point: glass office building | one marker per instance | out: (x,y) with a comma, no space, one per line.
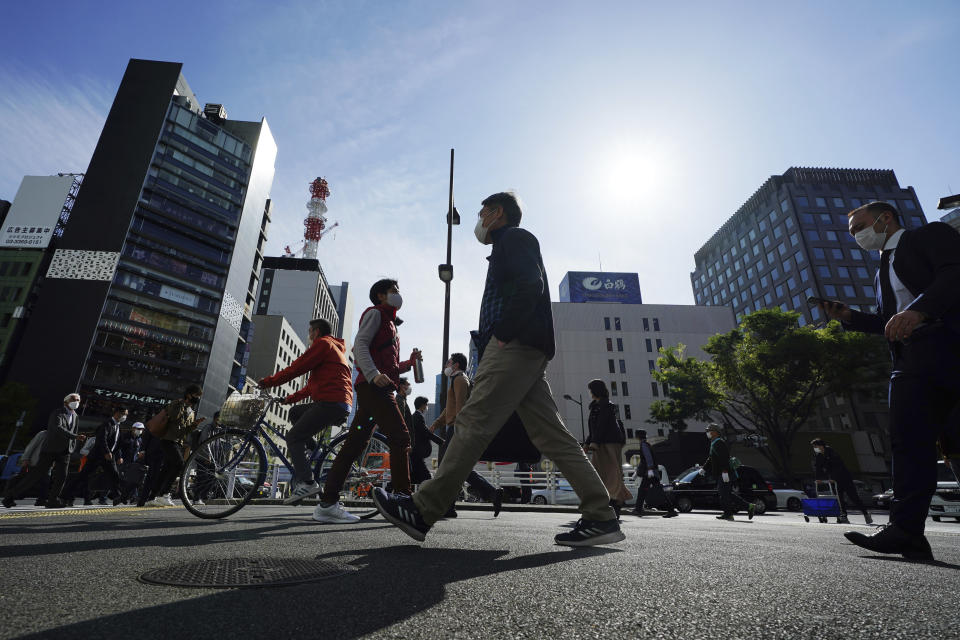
(160,262)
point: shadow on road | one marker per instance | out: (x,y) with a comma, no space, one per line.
(200,533)
(934,563)
(394,584)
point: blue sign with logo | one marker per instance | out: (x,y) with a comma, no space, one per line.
(600,286)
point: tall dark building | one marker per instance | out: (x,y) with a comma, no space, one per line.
(152,285)
(790,241)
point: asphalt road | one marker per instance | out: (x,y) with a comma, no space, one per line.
(74,574)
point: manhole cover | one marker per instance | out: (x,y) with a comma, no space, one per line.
(245,572)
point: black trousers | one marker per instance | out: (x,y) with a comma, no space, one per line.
(317,417)
(172,465)
(850,490)
(418,469)
(82,481)
(924,395)
(651,483)
(729,499)
(58,461)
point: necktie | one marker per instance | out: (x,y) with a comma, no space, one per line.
(887,298)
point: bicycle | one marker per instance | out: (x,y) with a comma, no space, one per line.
(228,469)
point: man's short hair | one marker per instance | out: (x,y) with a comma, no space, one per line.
(511,208)
(460,360)
(713,426)
(67,397)
(598,388)
(192,389)
(876,209)
(381,286)
(403,380)
(420,402)
(119,407)
(322,326)
(819,441)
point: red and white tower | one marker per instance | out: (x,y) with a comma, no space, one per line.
(315,224)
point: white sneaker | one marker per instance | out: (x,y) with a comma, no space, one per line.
(156,502)
(334,514)
(199,502)
(302,490)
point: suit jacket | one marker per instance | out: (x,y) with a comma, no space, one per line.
(927,261)
(62,429)
(108,436)
(420,443)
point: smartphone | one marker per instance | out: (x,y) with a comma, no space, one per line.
(814,300)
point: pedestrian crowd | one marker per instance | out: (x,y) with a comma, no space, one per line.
(918,311)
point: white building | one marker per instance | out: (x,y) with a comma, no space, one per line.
(275,345)
(618,343)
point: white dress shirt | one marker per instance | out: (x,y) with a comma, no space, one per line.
(900,292)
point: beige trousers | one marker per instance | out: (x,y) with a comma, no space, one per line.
(512,378)
(606,459)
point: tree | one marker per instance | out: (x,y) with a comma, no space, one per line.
(15,398)
(765,377)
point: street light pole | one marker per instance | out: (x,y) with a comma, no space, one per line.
(583,431)
(446,276)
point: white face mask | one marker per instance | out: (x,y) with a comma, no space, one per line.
(481,232)
(448,371)
(870,240)
(73,404)
(817,450)
(395,300)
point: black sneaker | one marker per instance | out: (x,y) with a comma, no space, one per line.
(588,533)
(9,503)
(725,516)
(497,502)
(451,512)
(400,511)
(751,511)
(670,514)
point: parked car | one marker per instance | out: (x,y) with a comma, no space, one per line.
(882,500)
(693,491)
(946,501)
(565,494)
(789,499)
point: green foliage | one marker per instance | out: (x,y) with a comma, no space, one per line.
(14,399)
(765,377)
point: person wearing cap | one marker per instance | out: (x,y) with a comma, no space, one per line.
(132,463)
(827,464)
(718,464)
(649,473)
(62,438)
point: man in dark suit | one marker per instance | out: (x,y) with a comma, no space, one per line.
(718,465)
(104,455)
(918,310)
(420,442)
(62,438)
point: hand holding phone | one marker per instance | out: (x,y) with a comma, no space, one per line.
(835,310)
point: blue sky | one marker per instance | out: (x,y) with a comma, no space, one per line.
(631,131)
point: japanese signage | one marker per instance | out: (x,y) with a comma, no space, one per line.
(600,286)
(36,208)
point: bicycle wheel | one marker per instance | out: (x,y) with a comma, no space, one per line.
(368,468)
(223,474)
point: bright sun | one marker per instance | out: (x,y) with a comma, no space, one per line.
(628,175)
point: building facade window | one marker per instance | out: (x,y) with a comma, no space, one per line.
(609,344)
(606,324)
(654,390)
(623,366)
(619,344)
(613,368)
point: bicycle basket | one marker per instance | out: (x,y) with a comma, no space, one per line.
(242,410)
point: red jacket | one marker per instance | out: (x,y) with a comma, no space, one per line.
(329,381)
